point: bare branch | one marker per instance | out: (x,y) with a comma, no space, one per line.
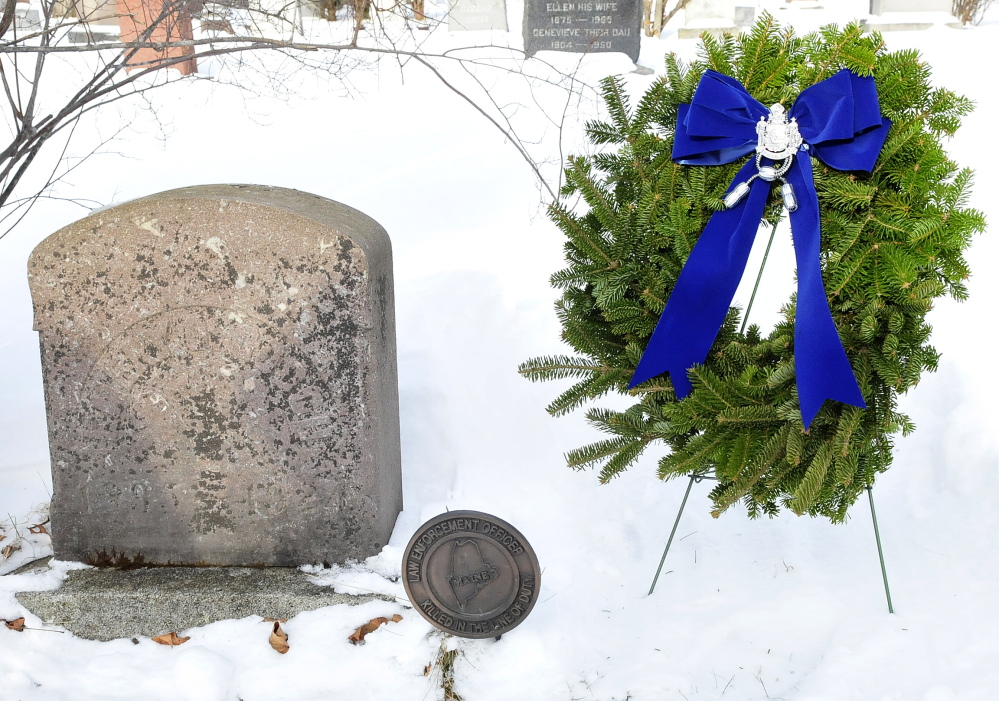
(129,66)
(7,18)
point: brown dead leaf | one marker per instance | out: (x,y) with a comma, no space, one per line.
(272,620)
(40,528)
(279,639)
(426,671)
(9,550)
(357,637)
(17,624)
(170,639)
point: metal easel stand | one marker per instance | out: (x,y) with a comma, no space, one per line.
(696,477)
(881,555)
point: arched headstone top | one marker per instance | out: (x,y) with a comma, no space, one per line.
(220,374)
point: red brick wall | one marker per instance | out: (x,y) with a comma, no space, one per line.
(172,20)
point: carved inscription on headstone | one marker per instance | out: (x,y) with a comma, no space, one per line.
(583,27)
(476,15)
(220,380)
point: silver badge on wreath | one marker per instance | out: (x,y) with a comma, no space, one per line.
(777,139)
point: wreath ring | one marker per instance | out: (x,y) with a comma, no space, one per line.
(892,241)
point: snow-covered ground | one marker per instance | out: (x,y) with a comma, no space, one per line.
(790,608)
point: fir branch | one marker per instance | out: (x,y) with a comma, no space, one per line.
(560,367)
(804,496)
(620,461)
(694,457)
(771,454)
(584,457)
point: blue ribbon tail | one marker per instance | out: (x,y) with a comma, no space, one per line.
(696,308)
(822,368)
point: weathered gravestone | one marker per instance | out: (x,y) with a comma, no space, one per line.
(583,27)
(716,17)
(27,18)
(476,15)
(745,15)
(709,9)
(910,15)
(220,380)
(881,6)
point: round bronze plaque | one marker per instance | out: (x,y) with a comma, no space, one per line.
(471,574)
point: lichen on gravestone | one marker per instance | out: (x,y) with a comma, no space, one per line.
(220,380)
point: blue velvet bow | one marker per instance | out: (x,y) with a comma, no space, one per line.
(841,124)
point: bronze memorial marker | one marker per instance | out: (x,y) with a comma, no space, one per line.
(471,574)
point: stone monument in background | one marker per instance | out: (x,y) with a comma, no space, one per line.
(879,7)
(476,15)
(910,15)
(220,380)
(716,17)
(583,27)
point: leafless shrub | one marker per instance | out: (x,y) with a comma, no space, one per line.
(40,108)
(971,11)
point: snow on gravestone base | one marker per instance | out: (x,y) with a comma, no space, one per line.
(881,6)
(220,380)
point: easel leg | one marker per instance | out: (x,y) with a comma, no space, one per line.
(881,555)
(672,533)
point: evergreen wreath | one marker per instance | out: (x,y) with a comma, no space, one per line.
(892,242)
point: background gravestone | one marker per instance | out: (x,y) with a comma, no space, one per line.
(716,17)
(220,380)
(709,9)
(910,15)
(583,27)
(476,15)
(881,6)
(744,15)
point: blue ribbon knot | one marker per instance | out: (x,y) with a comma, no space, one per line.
(841,124)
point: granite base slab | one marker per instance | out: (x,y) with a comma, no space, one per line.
(905,26)
(106,604)
(716,32)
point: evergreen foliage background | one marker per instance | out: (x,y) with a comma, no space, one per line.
(892,242)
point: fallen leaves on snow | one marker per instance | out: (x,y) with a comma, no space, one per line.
(17,624)
(357,637)
(279,639)
(170,639)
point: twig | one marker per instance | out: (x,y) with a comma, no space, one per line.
(759,678)
(727,685)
